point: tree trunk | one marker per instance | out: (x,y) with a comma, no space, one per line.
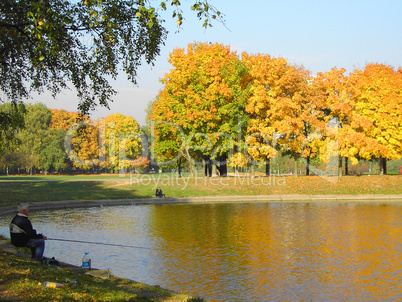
(179,166)
(215,170)
(346,166)
(296,167)
(190,163)
(252,170)
(207,167)
(308,166)
(223,169)
(340,166)
(383,166)
(268,167)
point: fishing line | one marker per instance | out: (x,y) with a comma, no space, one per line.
(102,243)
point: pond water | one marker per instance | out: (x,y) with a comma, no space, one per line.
(241,251)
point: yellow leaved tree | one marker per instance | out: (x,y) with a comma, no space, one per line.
(348,125)
(283,110)
(376,93)
(123,143)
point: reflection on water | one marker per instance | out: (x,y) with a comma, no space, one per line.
(240,252)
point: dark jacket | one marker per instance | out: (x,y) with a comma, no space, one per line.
(21,231)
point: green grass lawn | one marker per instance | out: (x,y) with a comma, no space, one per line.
(15,190)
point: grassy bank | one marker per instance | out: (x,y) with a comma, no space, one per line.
(60,188)
(21,280)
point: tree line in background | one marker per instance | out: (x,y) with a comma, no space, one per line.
(218,110)
(221,109)
(57,141)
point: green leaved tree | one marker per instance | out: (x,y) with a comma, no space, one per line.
(32,137)
(52,44)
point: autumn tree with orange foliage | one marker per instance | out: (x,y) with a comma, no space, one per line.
(111,143)
(123,143)
(84,141)
(334,88)
(284,111)
(204,97)
(62,119)
(376,93)
(261,138)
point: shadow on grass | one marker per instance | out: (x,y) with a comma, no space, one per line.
(14,193)
(22,178)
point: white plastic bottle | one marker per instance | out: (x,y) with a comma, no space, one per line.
(86,261)
(52,285)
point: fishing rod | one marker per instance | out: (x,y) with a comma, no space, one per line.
(101,243)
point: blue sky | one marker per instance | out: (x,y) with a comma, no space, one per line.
(319,35)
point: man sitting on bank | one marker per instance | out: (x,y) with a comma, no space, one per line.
(159,193)
(23,235)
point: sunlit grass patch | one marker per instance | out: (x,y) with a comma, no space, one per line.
(22,280)
(144,186)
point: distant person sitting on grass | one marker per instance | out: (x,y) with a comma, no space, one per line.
(159,193)
(23,235)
